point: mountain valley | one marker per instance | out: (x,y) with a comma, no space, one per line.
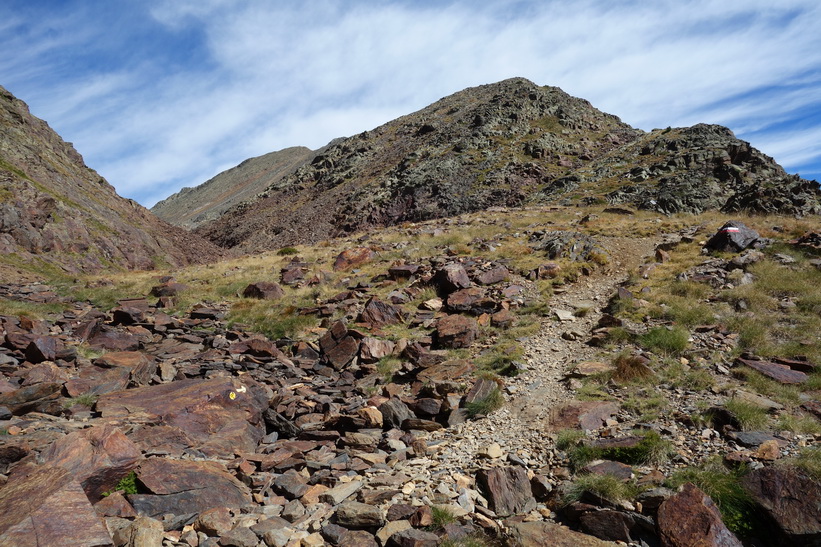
(506,319)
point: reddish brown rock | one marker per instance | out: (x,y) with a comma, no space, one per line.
(42,348)
(222,415)
(214,522)
(352,258)
(47,506)
(446,371)
(503,319)
(141,367)
(413,537)
(606,467)
(402,271)
(338,346)
(451,278)
(608,524)
(507,490)
(294,272)
(584,414)
(464,300)
(113,340)
(46,372)
(378,314)
(456,331)
(98,457)
(791,499)
(548,534)
(493,276)
(690,518)
(183,487)
(115,505)
(482,388)
(258,347)
(421,425)
(779,373)
(96,380)
(357,538)
(372,349)
(263,290)
(36,398)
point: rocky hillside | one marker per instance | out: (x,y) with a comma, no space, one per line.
(507,144)
(57,212)
(191,207)
(535,376)
(486,146)
(695,169)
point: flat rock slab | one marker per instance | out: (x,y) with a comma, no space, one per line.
(352,258)
(779,373)
(752,439)
(48,507)
(98,457)
(584,414)
(548,534)
(352,514)
(619,470)
(140,365)
(222,415)
(36,398)
(184,487)
(691,518)
(443,372)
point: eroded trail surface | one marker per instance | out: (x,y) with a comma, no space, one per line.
(521,427)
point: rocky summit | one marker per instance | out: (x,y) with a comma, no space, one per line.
(625,359)
(508,144)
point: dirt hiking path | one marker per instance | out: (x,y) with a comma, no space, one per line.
(521,427)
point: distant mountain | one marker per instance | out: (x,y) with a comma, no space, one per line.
(57,213)
(191,207)
(507,144)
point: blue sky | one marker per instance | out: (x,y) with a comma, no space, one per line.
(158,95)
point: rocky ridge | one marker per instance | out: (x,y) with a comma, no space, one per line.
(487,146)
(191,207)
(55,212)
(509,144)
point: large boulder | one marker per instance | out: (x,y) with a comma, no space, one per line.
(98,457)
(791,498)
(221,416)
(47,506)
(186,487)
(690,518)
(733,237)
(456,331)
(507,489)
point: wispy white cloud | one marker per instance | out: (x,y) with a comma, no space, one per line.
(249,77)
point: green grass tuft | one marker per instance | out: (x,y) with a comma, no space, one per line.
(724,487)
(666,341)
(493,401)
